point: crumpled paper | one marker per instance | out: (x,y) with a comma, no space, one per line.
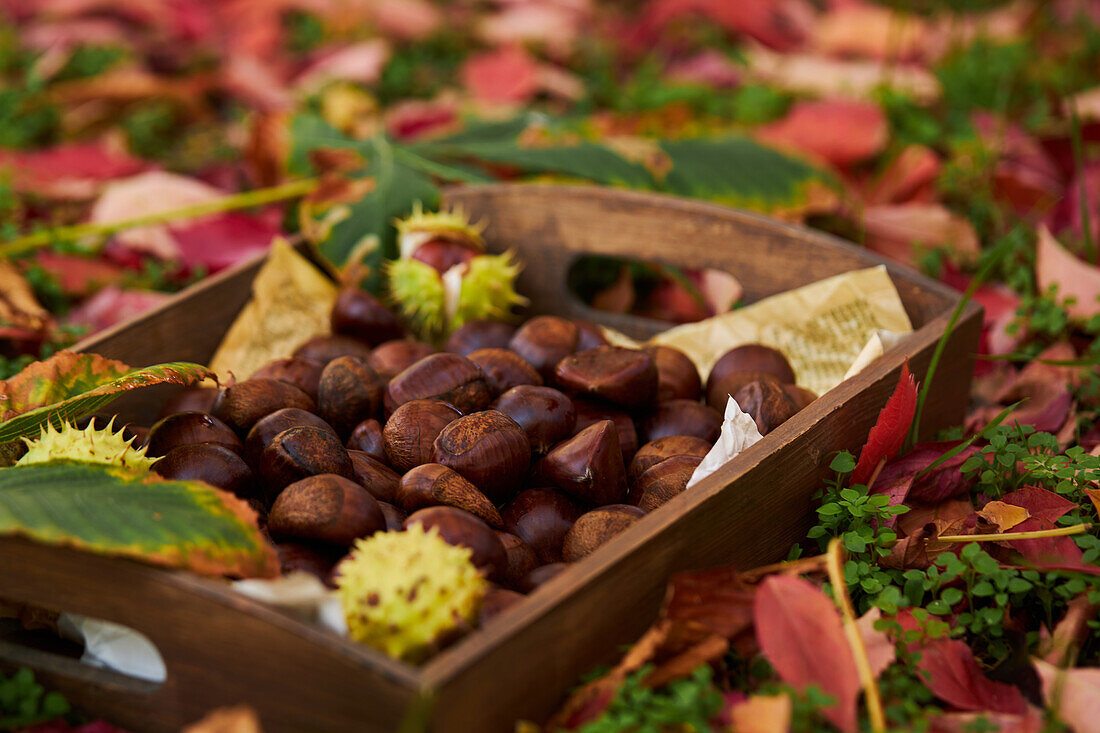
(301,595)
(113,646)
(739,431)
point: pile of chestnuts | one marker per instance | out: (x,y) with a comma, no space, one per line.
(532,446)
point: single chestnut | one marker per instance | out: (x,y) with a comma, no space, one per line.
(625,377)
(800,395)
(192,399)
(658,450)
(489,449)
(681,417)
(458,527)
(541,576)
(544,413)
(444,376)
(521,558)
(497,600)
(432,484)
(209,463)
(480,334)
(589,335)
(362,316)
(767,404)
(752,358)
(242,405)
(596,527)
(367,437)
(677,375)
(300,452)
(543,341)
(395,516)
(189,428)
(349,393)
(325,508)
(327,347)
(590,412)
(305,374)
(376,477)
(393,357)
(408,435)
(541,518)
(662,481)
(308,557)
(268,427)
(719,391)
(589,466)
(504,369)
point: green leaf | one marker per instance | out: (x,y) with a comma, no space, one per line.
(113,511)
(739,172)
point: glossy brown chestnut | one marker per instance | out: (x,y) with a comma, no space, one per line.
(376,477)
(190,428)
(658,450)
(801,396)
(480,334)
(719,391)
(590,412)
(677,375)
(349,393)
(752,358)
(589,466)
(300,452)
(589,335)
(543,341)
(326,348)
(393,357)
(308,557)
(432,484)
(497,600)
(304,374)
(243,404)
(521,558)
(362,316)
(544,413)
(489,449)
(325,508)
(268,427)
(625,377)
(395,516)
(596,527)
(541,517)
(541,576)
(767,404)
(661,482)
(367,437)
(681,417)
(444,376)
(408,435)
(193,399)
(442,253)
(504,369)
(212,464)
(458,527)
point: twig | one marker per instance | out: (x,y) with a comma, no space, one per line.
(801,565)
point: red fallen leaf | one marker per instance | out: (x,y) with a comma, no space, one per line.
(222,241)
(406,19)
(881,651)
(506,75)
(414,119)
(1025,175)
(720,289)
(553,25)
(943,513)
(1067,212)
(871,31)
(889,431)
(709,67)
(1040,503)
(257,83)
(1000,305)
(618,297)
(670,301)
(360,62)
(908,177)
(903,232)
(954,675)
(78,275)
(780,24)
(112,305)
(900,482)
(1069,633)
(799,631)
(1059,550)
(71,171)
(1054,265)
(1074,693)
(1029,722)
(839,131)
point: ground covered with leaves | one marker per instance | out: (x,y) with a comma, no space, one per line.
(947,586)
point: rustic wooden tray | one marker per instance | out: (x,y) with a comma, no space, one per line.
(222,649)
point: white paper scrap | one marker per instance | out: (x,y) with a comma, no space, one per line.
(114,646)
(299,594)
(739,431)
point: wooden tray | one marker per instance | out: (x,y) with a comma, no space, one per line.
(222,649)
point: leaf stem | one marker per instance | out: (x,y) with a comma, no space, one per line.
(248,199)
(1012,536)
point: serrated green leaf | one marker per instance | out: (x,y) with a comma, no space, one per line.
(114,511)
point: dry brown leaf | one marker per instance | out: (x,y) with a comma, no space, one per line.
(1005,516)
(826,77)
(1094,494)
(762,714)
(19,308)
(881,651)
(1070,632)
(238,719)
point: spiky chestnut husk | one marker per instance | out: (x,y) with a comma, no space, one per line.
(417,290)
(486,290)
(409,593)
(88,445)
(420,227)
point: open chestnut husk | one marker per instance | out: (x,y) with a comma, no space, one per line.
(543,341)
(489,449)
(504,369)
(541,518)
(480,334)
(243,404)
(677,375)
(362,316)
(367,437)
(658,450)
(210,463)
(300,452)
(325,508)
(625,377)
(544,413)
(681,417)
(458,527)
(767,404)
(444,376)
(663,481)
(432,484)
(408,435)
(305,374)
(331,346)
(190,428)
(268,427)
(393,357)
(349,393)
(596,527)
(589,466)
(590,412)
(374,476)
